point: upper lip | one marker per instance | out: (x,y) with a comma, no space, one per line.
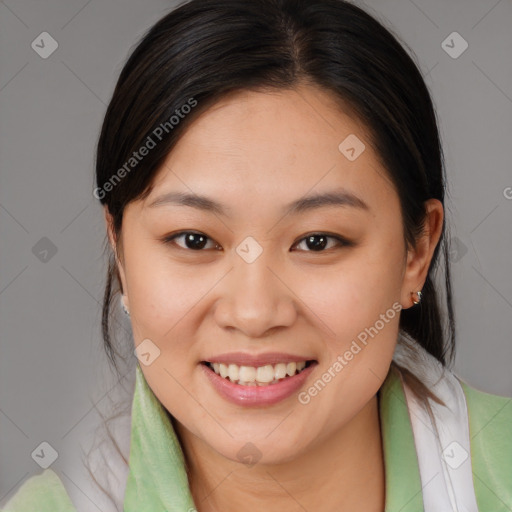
(244,359)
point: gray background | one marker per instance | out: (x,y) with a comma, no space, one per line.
(53,373)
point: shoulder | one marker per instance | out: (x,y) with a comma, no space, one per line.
(490,418)
(489,414)
(490,430)
(102,485)
(41,493)
(479,423)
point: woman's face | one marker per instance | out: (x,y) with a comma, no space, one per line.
(260,284)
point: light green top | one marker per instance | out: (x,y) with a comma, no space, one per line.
(157,479)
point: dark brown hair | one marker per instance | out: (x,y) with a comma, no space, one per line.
(205,49)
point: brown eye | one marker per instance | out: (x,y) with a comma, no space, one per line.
(317,242)
(190,240)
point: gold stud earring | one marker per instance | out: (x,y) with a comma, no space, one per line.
(418,297)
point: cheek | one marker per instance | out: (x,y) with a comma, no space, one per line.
(352,295)
(162,302)
(161,294)
(359,305)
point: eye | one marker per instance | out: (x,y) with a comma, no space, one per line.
(317,242)
(191,240)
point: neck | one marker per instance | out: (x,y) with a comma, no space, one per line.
(343,473)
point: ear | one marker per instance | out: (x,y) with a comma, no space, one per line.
(109,223)
(419,258)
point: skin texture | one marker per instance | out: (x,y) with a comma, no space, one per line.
(255,152)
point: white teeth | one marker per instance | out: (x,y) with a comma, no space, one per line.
(233,372)
(223,370)
(280,371)
(247,373)
(265,373)
(291,368)
(260,376)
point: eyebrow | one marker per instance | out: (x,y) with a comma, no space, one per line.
(341,198)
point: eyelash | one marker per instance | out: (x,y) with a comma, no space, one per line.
(342,242)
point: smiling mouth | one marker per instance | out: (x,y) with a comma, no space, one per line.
(266,375)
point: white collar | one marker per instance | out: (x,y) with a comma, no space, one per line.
(442,440)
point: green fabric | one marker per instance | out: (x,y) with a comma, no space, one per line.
(490,432)
(157,479)
(41,493)
(403,483)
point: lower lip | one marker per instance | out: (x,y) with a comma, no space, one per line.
(257,395)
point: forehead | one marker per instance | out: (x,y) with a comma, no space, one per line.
(271,147)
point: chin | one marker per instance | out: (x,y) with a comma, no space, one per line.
(259,448)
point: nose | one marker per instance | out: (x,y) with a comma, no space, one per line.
(255,298)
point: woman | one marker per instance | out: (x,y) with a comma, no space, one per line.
(273,187)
